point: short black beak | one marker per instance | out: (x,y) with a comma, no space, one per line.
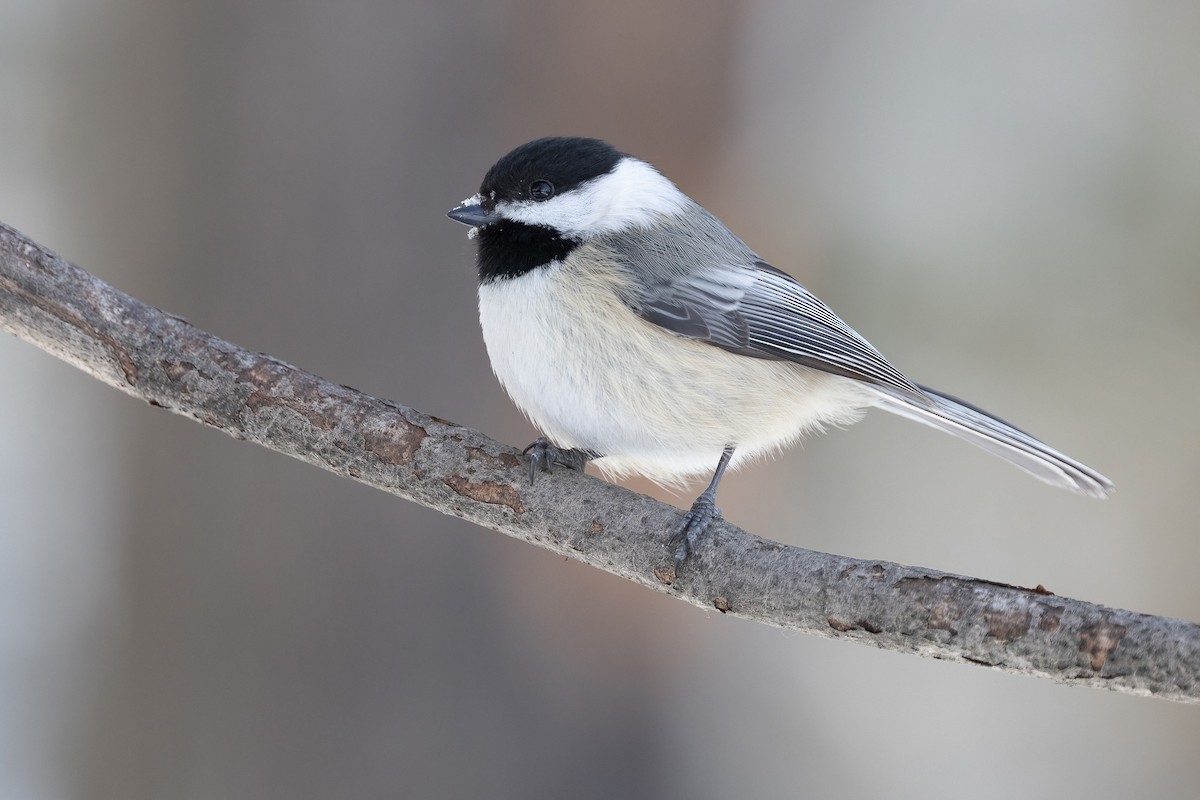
(474,215)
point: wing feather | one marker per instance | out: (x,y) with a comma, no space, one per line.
(756,310)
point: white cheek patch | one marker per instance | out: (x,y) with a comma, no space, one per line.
(633,195)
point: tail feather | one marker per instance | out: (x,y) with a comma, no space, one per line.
(996,436)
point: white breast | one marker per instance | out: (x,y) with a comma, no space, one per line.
(592,375)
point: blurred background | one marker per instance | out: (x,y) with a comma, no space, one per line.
(1002,196)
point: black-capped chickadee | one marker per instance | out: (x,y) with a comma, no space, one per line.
(634,329)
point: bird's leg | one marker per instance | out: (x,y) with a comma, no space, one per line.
(542,454)
(704,511)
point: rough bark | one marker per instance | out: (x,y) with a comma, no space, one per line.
(171,364)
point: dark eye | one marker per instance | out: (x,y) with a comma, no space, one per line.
(541,190)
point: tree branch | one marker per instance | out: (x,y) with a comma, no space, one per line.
(171,364)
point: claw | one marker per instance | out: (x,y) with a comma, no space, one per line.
(538,459)
(693,525)
(542,454)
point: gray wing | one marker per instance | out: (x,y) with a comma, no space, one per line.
(727,296)
(756,310)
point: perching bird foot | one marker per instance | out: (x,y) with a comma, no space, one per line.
(542,454)
(693,525)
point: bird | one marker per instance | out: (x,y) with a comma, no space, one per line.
(637,332)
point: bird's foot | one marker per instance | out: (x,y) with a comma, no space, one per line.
(693,525)
(542,454)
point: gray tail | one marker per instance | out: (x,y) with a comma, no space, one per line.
(996,436)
